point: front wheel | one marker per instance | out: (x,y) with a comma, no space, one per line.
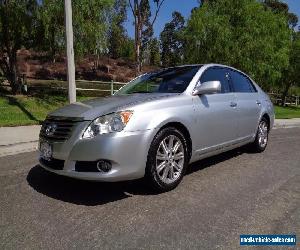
(167,159)
(262,136)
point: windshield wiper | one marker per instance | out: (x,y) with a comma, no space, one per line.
(142,91)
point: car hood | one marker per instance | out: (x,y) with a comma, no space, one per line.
(91,109)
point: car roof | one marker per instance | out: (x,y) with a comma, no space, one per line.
(207,65)
(203,65)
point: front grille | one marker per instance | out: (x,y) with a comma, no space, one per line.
(54,164)
(57,129)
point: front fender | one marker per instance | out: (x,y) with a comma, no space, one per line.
(158,113)
(155,115)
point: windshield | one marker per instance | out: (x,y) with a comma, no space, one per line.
(170,80)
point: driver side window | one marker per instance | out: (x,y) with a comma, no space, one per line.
(217,74)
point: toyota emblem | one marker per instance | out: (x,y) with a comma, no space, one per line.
(50,129)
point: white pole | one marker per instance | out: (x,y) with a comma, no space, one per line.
(70,51)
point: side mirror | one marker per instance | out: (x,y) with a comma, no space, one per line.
(210,87)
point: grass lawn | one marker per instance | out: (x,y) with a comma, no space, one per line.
(287,112)
(23,110)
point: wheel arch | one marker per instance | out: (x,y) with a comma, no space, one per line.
(267,117)
(183,129)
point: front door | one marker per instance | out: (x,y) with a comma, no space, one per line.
(216,113)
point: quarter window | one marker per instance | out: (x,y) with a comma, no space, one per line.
(241,83)
(217,74)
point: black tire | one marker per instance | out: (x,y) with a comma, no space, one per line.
(257,146)
(152,176)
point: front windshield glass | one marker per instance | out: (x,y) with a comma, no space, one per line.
(170,80)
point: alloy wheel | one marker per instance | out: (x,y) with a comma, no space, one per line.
(170,159)
(263,134)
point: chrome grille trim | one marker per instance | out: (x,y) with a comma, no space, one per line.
(64,128)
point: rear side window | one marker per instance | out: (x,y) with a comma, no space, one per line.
(241,83)
(217,74)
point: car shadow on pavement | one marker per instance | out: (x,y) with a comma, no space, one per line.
(82,192)
(98,193)
(213,160)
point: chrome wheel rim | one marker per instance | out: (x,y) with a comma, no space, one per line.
(262,134)
(170,159)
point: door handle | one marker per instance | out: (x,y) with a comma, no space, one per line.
(258,103)
(233,104)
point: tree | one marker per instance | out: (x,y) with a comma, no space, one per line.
(280,7)
(117,34)
(154,55)
(89,21)
(17,20)
(127,48)
(143,26)
(52,27)
(147,33)
(243,34)
(277,6)
(172,41)
(291,76)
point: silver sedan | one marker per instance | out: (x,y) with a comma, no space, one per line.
(156,125)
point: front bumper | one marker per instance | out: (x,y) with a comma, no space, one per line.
(126,151)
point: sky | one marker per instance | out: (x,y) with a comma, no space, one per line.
(185,7)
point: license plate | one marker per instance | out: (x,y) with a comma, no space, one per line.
(45,150)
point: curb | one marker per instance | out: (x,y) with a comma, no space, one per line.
(22,147)
(286,126)
(287,123)
(21,139)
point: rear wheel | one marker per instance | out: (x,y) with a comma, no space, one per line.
(167,159)
(262,136)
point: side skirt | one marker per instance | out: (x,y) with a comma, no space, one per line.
(215,150)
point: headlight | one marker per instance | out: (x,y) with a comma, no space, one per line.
(114,122)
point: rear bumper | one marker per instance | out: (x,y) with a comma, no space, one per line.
(126,151)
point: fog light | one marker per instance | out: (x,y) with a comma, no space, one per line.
(103,166)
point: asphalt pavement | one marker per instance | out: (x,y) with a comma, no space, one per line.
(220,198)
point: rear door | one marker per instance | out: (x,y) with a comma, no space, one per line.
(248,104)
(216,113)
